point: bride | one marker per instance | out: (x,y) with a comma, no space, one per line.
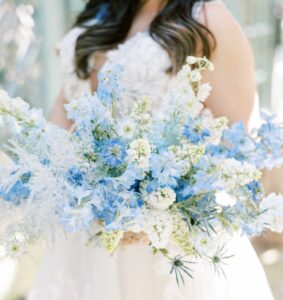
(151,39)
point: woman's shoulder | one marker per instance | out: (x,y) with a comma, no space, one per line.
(202,5)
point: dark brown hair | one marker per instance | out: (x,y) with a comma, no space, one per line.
(174,28)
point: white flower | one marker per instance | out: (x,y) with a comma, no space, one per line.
(161,199)
(20,105)
(159,227)
(204,92)
(126,128)
(195,76)
(207,245)
(235,173)
(139,152)
(204,244)
(16,247)
(4,99)
(191,60)
(274,214)
(224,199)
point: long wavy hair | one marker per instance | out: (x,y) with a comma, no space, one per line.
(174,28)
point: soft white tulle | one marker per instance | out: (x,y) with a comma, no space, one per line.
(73,271)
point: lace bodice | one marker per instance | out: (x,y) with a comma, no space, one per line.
(145,64)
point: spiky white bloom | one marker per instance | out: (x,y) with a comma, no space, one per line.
(161,199)
(15,248)
(207,244)
(139,152)
(158,225)
(126,128)
(274,214)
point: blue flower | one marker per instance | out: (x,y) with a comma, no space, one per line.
(19,191)
(109,90)
(113,153)
(195,132)
(236,134)
(116,208)
(255,188)
(165,169)
(217,150)
(106,204)
(75,176)
(184,190)
(76,213)
(45,162)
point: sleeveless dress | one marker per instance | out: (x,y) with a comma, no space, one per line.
(72,270)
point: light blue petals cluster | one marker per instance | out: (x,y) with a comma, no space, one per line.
(178,178)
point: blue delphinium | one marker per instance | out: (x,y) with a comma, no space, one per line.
(106,204)
(113,153)
(76,213)
(195,132)
(269,148)
(165,169)
(75,176)
(109,89)
(240,144)
(217,151)
(19,191)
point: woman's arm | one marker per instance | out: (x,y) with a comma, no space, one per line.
(58,115)
(233,83)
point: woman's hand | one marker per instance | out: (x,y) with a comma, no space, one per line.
(132,238)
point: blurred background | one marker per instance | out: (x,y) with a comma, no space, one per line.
(29,32)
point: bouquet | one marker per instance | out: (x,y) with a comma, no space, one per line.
(184,179)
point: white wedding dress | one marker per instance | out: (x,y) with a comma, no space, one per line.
(70,270)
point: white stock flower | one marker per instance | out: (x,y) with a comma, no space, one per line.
(159,227)
(235,173)
(161,199)
(139,152)
(195,76)
(203,92)
(274,214)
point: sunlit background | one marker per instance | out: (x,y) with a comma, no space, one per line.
(29,32)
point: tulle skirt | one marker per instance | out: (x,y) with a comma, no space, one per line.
(73,271)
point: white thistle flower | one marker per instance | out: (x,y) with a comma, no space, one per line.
(16,247)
